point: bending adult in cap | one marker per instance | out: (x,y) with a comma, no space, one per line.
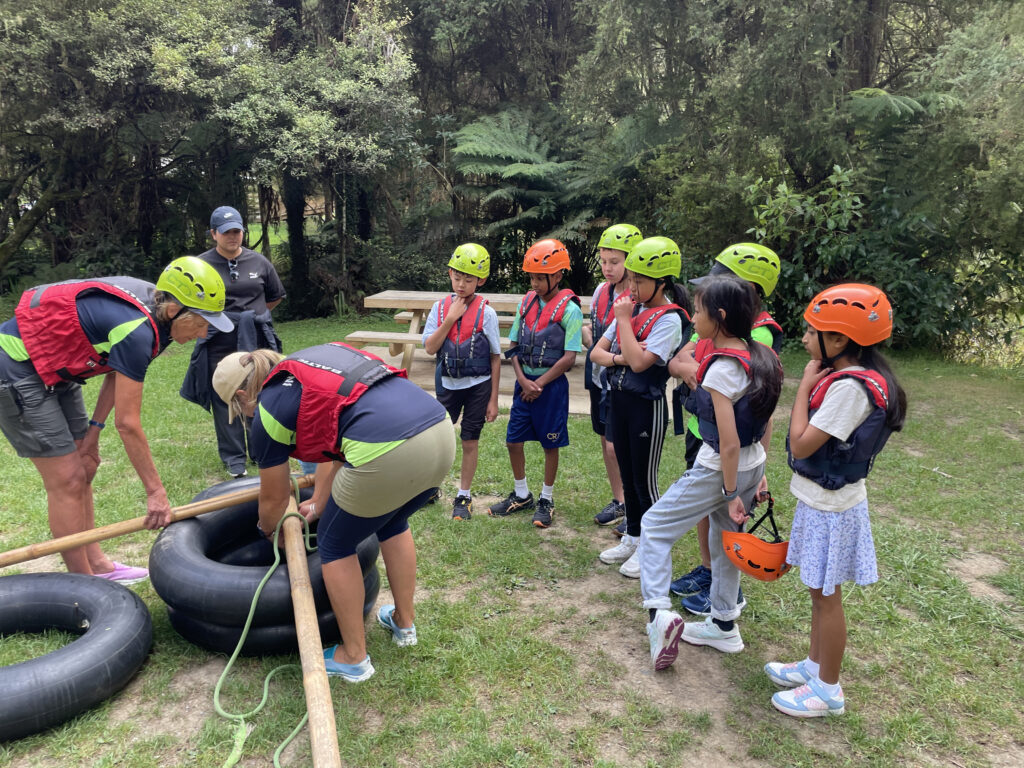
(64,333)
(384,446)
(253,290)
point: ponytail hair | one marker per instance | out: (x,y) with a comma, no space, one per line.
(678,295)
(741,304)
(871,357)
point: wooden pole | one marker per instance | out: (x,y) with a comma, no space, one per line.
(43,548)
(323,733)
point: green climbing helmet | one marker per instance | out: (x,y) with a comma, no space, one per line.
(620,237)
(197,286)
(472,259)
(655,257)
(754,263)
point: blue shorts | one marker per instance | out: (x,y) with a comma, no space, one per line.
(545,420)
(339,532)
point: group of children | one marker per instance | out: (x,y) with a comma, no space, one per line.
(644,328)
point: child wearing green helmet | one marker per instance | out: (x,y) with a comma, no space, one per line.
(635,350)
(760,266)
(614,246)
(462,331)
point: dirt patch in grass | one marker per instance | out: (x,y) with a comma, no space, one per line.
(973,569)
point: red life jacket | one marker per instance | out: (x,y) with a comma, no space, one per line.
(541,341)
(764,320)
(601,311)
(836,463)
(465,350)
(649,384)
(333,376)
(53,336)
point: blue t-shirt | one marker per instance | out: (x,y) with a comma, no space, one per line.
(108,323)
(388,413)
(571,322)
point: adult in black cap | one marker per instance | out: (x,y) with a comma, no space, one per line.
(253,290)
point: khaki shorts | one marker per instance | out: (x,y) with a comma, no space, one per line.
(40,421)
(385,483)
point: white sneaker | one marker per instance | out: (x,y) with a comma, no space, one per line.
(707,633)
(663,634)
(631,568)
(622,552)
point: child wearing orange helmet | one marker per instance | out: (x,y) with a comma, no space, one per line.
(847,404)
(545,336)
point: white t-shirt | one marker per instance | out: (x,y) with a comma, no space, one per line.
(663,340)
(845,407)
(728,377)
(490,332)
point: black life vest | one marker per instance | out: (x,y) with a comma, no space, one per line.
(600,319)
(649,384)
(541,341)
(465,350)
(838,463)
(699,403)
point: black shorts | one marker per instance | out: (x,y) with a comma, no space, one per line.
(599,410)
(472,403)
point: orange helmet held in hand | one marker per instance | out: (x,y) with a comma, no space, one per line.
(764,560)
(546,257)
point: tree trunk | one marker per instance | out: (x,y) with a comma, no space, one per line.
(294,193)
(863,48)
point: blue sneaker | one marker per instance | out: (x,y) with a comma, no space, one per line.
(400,636)
(350,673)
(809,701)
(700,603)
(696,580)
(787,675)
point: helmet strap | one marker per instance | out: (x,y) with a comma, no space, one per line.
(826,361)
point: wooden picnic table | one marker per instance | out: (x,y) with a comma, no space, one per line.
(420,302)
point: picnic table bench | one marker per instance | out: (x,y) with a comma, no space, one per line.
(415,305)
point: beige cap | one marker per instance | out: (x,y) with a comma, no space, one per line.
(229,377)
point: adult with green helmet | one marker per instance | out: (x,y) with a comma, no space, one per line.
(252,290)
(760,266)
(64,333)
(612,248)
(648,328)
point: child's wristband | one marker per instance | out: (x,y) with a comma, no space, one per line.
(97,424)
(730,495)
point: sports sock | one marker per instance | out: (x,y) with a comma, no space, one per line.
(832,690)
(464,492)
(811,666)
(522,490)
(652,612)
(547,492)
(725,626)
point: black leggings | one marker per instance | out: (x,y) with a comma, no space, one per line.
(637,427)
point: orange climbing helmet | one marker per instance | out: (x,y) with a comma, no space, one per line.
(764,560)
(859,311)
(546,257)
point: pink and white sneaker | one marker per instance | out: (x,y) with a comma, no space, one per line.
(124,574)
(809,701)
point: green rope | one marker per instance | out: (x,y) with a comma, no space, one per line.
(242,729)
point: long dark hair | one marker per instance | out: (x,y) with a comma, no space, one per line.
(872,358)
(742,305)
(677,294)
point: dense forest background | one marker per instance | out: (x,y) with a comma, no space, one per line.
(874,140)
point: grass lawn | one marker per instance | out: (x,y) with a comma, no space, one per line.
(533,653)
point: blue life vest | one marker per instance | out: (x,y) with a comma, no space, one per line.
(541,341)
(838,463)
(465,350)
(648,384)
(699,403)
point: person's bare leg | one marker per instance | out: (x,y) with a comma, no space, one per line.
(550,465)
(70,510)
(703,529)
(611,466)
(344,581)
(517,458)
(828,633)
(399,554)
(470,449)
